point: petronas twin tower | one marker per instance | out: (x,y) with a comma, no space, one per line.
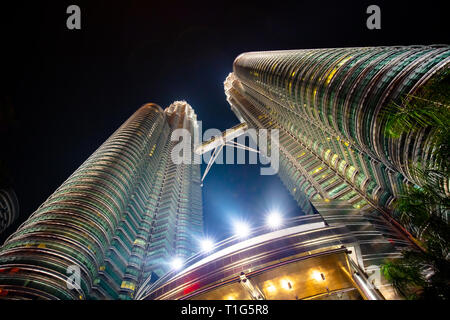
(331,108)
(117,219)
(128,210)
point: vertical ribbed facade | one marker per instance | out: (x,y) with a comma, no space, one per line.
(330,106)
(104,218)
(178,220)
(9,208)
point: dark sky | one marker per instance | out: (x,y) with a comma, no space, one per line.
(69,90)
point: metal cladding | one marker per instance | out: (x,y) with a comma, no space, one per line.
(330,106)
(9,208)
(118,217)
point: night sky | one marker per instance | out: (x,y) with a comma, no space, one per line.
(64,92)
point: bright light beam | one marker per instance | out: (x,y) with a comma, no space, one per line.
(274,220)
(206,245)
(176,263)
(241,229)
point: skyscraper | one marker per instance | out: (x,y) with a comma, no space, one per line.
(330,106)
(119,218)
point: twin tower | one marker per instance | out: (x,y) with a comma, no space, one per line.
(128,210)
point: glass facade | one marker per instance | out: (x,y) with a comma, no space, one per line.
(330,107)
(120,217)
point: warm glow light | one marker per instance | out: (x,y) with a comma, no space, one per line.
(286,284)
(230,297)
(207,245)
(241,229)
(176,263)
(271,288)
(318,276)
(274,220)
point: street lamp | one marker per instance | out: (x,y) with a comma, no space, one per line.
(274,220)
(176,263)
(206,245)
(241,229)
